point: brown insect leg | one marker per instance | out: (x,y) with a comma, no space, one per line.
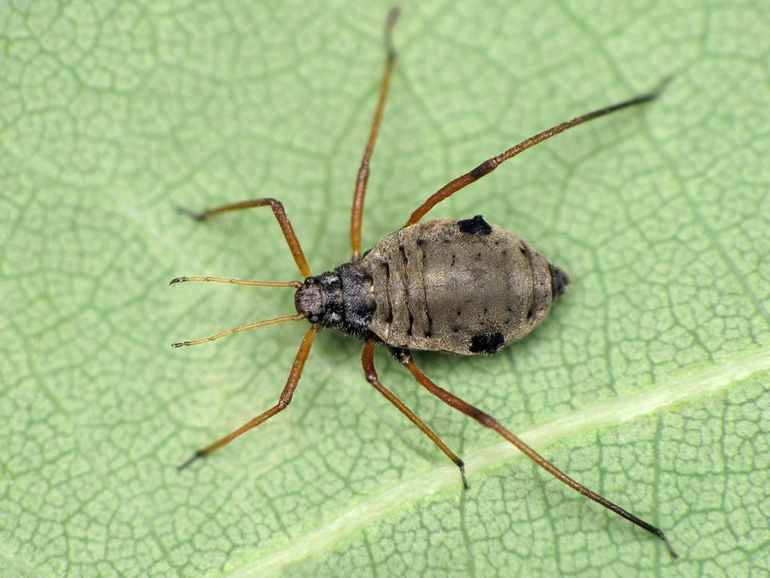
(490,422)
(283,401)
(356,217)
(367,358)
(280,215)
(491,164)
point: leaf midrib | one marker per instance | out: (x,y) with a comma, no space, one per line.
(684,386)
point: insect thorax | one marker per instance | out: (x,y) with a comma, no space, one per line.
(340,299)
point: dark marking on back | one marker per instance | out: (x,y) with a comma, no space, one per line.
(429,331)
(386,293)
(488,342)
(475,226)
(405,260)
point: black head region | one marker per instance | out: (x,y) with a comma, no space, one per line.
(475,226)
(339,299)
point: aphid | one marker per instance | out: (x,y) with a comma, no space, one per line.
(457,286)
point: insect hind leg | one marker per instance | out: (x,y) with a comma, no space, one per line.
(492,163)
(488,421)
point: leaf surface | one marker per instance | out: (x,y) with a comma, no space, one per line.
(649,382)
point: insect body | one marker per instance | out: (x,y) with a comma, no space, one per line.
(458,286)
(463,287)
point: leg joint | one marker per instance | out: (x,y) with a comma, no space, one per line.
(283,403)
(402,355)
(484,168)
(274,203)
(484,419)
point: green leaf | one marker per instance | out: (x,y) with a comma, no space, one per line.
(649,382)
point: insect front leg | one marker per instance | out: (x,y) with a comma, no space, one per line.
(283,401)
(280,215)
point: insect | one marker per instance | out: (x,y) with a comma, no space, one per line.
(459,286)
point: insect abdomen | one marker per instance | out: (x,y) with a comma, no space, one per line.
(464,287)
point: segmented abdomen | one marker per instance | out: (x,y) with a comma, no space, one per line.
(464,287)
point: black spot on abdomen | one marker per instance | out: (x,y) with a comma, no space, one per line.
(486,342)
(475,226)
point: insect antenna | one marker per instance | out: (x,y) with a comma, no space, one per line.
(294,284)
(241,329)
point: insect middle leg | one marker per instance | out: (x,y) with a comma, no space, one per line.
(283,401)
(487,420)
(280,215)
(356,216)
(367,358)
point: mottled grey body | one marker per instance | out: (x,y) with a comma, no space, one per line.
(463,287)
